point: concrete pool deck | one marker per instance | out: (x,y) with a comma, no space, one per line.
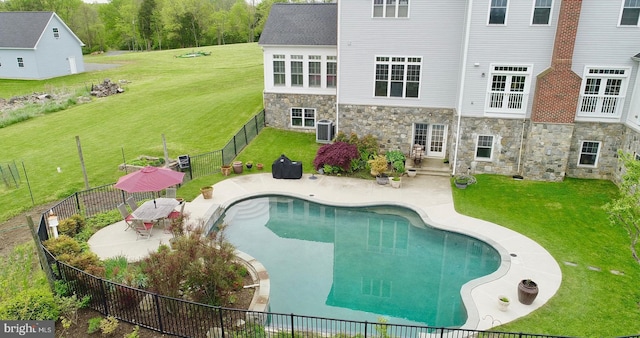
(430,196)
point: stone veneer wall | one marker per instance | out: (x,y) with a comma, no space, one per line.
(277,108)
(630,145)
(392,126)
(612,136)
(547,151)
(507,140)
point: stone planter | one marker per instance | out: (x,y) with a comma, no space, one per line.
(237,167)
(207,192)
(527,291)
(382,179)
(226,170)
(395,183)
(412,172)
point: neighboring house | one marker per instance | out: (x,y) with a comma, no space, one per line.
(539,88)
(37,45)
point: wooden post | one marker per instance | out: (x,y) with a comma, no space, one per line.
(84,168)
(166,152)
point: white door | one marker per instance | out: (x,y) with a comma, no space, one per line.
(432,138)
(437,140)
(72,64)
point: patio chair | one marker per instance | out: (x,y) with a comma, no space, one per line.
(132,204)
(142,228)
(173,217)
(126,216)
(170,193)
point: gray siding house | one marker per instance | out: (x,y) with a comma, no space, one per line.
(544,89)
(37,45)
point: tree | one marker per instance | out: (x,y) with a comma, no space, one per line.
(146,21)
(625,210)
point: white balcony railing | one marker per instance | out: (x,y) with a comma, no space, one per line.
(505,102)
(603,106)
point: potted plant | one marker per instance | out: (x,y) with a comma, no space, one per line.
(260,166)
(463,180)
(395,156)
(237,167)
(226,170)
(527,291)
(395,181)
(207,192)
(412,172)
(503,303)
(249,164)
(379,168)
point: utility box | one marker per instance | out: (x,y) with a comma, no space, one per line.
(325,131)
(184,162)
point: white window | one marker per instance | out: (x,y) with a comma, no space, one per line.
(279,75)
(56,34)
(332,72)
(20,62)
(589,151)
(508,89)
(498,12)
(541,12)
(484,147)
(315,70)
(296,70)
(397,76)
(630,13)
(303,117)
(602,93)
(390,8)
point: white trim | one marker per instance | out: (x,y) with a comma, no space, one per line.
(620,18)
(475,152)
(303,126)
(533,11)
(595,164)
(463,74)
(502,111)
(620,98)
(506,15)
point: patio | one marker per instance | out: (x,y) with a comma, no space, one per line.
(430,196)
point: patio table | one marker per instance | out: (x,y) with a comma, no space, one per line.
(156,209)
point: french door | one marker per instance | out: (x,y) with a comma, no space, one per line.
(432,138)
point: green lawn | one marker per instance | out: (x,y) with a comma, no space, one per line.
(567,219)
(200,103)
(197,103)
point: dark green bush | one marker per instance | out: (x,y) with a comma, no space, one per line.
(72,225)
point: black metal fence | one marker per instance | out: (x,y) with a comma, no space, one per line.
(210,163)
(188,319)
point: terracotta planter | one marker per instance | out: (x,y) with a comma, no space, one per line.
(260,166)
(207,192)
(237,167)
(226,170)
(527,291)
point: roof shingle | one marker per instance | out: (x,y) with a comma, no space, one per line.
(301,25)
(22,29)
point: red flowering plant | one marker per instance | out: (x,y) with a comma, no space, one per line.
(336,158)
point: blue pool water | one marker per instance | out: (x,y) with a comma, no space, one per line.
(358,263)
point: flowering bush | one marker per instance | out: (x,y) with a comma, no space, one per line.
(337,155)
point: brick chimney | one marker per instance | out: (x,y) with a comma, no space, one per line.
(558,88)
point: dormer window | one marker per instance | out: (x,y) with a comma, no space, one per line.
(56,34)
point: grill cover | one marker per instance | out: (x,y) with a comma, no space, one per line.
(283,167)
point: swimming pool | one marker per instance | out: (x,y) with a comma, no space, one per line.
(358,263)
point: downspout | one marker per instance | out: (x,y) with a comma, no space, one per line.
(338,71)
(465,51)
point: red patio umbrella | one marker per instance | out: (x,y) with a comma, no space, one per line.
(149,179)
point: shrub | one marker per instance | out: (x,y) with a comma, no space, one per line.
(338,155)
(367,148)
(109,325)
(72,225)
(202,268)
(62,245)
(30,304)
(94,325)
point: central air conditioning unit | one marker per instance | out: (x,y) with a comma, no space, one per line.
(324,131)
